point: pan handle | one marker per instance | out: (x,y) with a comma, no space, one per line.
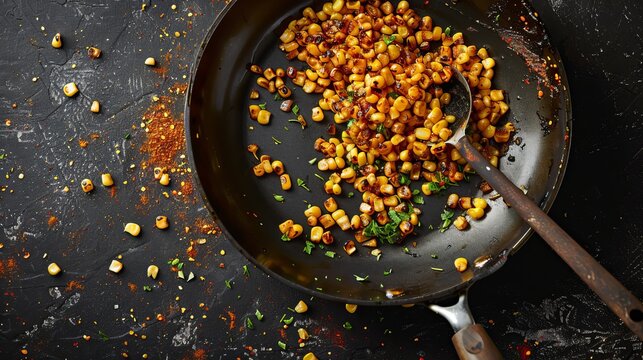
(471,340)
(625,305)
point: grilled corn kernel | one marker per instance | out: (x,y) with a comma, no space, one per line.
(284,179)
(57,41)
(158,172)
(87,185)
(311,221)
(285,226)
(301,307)
(330,204)
(132,229)
(53,269)
(258,170)
(106,180)
(165,179)
(328,238)
(344,222)
(318,114)
(452,201)
(115,266)
(150,61)
(326,221)
(480,203)
(313,211)
(316,234)
(465,203)
(309,356)
(264,117)
(254,110)
(461,264)
(461,223)
(349,247)
(95,108)
(70,89)
(152,271)
(351,308)
(277,167)
(475,213)
(161,222)
(303,334)
(93,52)
(295,231)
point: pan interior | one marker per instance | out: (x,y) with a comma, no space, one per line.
(219,130)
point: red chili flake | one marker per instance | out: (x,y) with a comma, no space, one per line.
(233,317)
(52,221)
(222,266)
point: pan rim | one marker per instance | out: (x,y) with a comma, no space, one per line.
(546,203)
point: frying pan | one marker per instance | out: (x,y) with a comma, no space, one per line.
(218,131)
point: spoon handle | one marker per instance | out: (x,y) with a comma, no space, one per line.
(625,305)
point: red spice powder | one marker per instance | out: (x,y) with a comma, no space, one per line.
(8,266)
(233,317)
(52,221)
(74,285)
(164,134)
(132,287)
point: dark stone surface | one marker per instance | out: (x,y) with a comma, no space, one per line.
(534,302)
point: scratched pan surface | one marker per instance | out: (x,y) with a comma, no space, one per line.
(219,129)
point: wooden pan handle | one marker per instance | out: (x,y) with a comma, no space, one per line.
(625,305)
(473,343)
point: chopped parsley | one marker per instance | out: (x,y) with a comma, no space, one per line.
(147,288)
(388,272)
(330,254)
(360,278)
(259,315)
(312,161)
(278,97)
(249,324)
(301,183)
(282,345)
(228,284)
(309,247)
(347,326)
(285,237)
(102,335)
(295,110)
(277,197)
(262,106)
(404,179)
(388,232)
(447,219)
(277,141)
(245,270)
(447,31)
(389,39)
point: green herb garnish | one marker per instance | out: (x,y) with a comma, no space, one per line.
(228,284)
(309,247)
(102,335)
(249,324)
(360,278)
(259,315)
(347,326)
(277,141)
(147,288)
(446,216)
(302,184)
(262,106)
(388,272)
(330,254)
(389,39)
(447,31)
(295,110)
(282,345)
(277,197)
(312,161)
(285,237)
(245,270)
(393,95)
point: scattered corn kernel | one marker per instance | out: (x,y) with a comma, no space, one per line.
(461,264)
(116,266)
(106,179)
(351,308)
(303,334)
(95,108)
(161,222)
(165,179)
(93,52)
(301,307)
(150,61)
(53,269)
(132,229)
(152,271)
(158,172)
(87,185)
(57,41)
(310,356)
(70,89)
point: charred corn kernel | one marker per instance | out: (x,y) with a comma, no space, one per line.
(422,133)
(303,334)
(461,264)
(497,95)
(326,221)
(254,110)
(295,231)
(338,214)
(161,222)
(351,308)
(277,167)
(258,170)
(70,89)
(254,94)
(465,203)
(301,307)
(267,166)
(328,238)
(95,108)
(284,179)
(132,229)
(316,234)
(152,271)
(264,117)
(452,201)
(57,41)
(158,172)
(330,204)
(165,179)
(93,52)
(344,223)
(480,203)
(87,185)
(313,211)
(337,189)
(53,269)
(356,222)
(311,221)
(150,61)
(475,213)
(285,226)
(318,114)
(309,356)
(488,63)
(115,266)
(106,180)
(461,223)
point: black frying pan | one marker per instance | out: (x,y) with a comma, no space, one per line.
(219,130)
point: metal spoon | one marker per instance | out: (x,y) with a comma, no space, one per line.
(625,305)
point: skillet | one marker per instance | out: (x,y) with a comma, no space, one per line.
(218,131)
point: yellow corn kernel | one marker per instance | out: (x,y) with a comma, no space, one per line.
(326,221)
(295,231)
(475,213)
(330,204)
(313,211)
(461,264)
(285,226)
(461,223)
(318,114)
(480,203)
(316,234)
(277,167)
(344,223)
(337,214)
(284,179)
